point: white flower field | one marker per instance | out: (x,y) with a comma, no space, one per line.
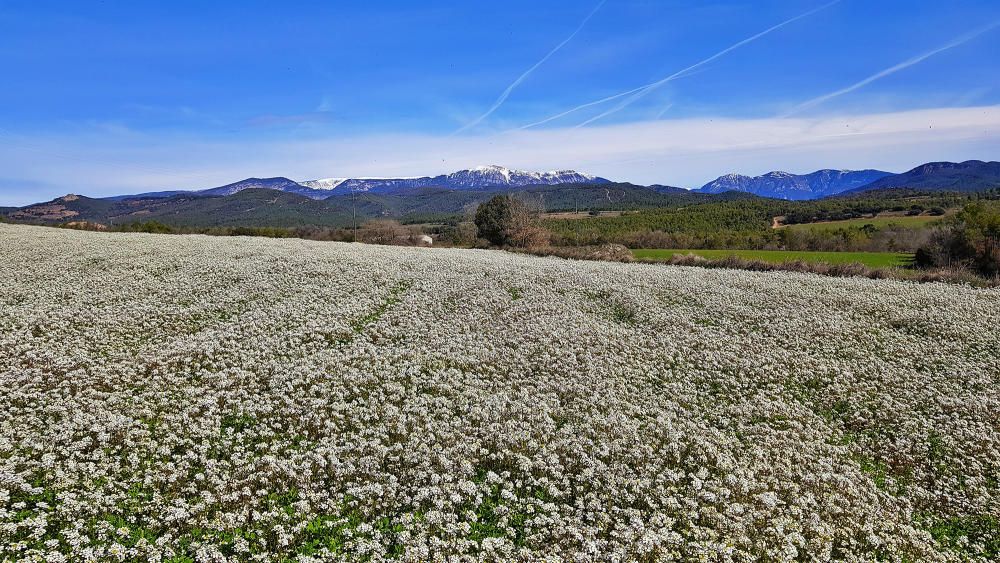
(190,398)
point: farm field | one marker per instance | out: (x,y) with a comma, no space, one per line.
(192,398)
(880,222)
(870,259)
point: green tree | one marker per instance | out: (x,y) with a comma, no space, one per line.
(506,221)
(972,239)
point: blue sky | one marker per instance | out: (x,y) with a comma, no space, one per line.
(113,97)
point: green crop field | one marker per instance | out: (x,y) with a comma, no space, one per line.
(881,222)
(870,259)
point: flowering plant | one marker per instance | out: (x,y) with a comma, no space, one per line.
(191,398)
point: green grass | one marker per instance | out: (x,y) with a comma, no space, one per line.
(870,259)
(917,221)
(974,535)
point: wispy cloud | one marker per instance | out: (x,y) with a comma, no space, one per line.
(506,93)
(891,70)
(686,152)
(664,111)
(637,93)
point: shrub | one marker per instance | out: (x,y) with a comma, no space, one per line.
(970,240)
(604,252)
(154,227)
(458,234)
(384,231)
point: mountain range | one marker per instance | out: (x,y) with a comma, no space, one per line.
(331,202)
(480,178)
(964,176)
(784,185)
(259,203)
(968,176)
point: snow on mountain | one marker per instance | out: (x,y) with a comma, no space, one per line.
(481,177)
(498,176)
(324,183)
(279,183)
(784,185)
(282,184)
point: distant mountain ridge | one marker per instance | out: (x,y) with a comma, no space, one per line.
(280,184)
(784,185)
(968,176)
(250,203)
(479,178)
(282,201)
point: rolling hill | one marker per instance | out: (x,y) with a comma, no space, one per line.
(435,203)
(264,207)
(278,183)
(250,207)
(253,207)
(65,209)
(968,176)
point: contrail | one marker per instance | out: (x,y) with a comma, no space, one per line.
(643,90)
(891,70)
(589,104)
(506,93)
(586,105)
(650,87)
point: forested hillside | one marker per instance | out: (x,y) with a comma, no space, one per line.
(751,223)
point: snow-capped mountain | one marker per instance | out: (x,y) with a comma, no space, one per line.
(498,176)
(783,185)
(280,184)
(481,177)
(324,183)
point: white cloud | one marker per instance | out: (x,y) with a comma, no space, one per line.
(684,152)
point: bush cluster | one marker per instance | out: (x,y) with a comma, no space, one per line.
(970,240)
(507,221)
